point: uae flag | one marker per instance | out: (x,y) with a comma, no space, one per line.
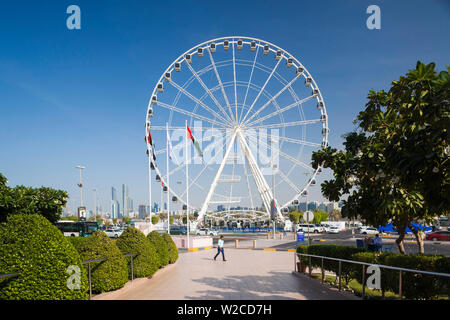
(149,139)
(196,145)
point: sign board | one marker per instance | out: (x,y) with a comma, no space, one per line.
(300,237)
(82,213)
(308,216)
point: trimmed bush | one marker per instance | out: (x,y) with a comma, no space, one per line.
(173,250)
(146,263)
(332,251)
(32,246)
(414,285)
(161,247)
(108,275)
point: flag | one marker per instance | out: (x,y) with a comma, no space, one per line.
(196,145)
(149,139)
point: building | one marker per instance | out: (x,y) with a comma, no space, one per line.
(142,211)
(331,206)
(115,206)
(156,208)
(125,200)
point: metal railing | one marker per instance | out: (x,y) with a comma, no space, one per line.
(8,275)
(88,262)
(364,264)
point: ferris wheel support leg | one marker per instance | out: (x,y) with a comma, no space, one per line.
(216,178)
(261,183)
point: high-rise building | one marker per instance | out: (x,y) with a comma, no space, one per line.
(142,211)
(125,200)
(115,206)
(155,207)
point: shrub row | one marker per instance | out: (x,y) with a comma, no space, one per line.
(332,251)
(47,261)
(414,286)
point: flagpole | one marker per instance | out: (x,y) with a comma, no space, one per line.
(150,186)
(187,187)
(168,177)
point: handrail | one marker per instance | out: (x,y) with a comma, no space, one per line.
(8,275)
(364,264)
(378,265)
(88,262)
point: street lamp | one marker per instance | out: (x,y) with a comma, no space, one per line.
(80,185)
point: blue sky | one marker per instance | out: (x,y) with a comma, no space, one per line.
(72,97)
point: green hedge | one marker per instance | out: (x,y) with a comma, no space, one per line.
(32,246)
(146,263)
(414,286)
(332,251)
(161,247)
(108,275)
(173,250)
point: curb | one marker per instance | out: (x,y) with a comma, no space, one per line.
(264,249)
(194,249)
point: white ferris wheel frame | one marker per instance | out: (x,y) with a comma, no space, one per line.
(264,190)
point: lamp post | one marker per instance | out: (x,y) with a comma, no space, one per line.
(81,185)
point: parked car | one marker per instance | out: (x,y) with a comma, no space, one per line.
(320,228)
(113,233)
(326,227)
(309,228)
(177,231)
(333,229)
(438,236)
(369,230)
(206,232)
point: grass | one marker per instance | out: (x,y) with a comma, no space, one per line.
(356,288)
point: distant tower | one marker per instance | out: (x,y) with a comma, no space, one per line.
(125,200)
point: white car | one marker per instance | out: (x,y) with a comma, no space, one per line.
(206,232)
(113,233)
(311,228)
(333,229)
(369,230)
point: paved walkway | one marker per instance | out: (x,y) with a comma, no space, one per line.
(247,274)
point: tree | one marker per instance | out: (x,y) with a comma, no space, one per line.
(26,200)
(395,168)
(155,219)
(319,216)
(335,215)
(294,216)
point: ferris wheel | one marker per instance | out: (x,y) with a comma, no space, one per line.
(254,114)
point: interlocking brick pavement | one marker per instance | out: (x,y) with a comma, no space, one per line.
(247,274)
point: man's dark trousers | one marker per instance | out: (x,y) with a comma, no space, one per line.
(219,249)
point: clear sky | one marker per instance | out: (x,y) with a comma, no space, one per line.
(79,97)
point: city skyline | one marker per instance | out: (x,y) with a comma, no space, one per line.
(83,110)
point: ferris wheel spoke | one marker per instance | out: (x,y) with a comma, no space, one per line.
(286,124)
(301,142)
(281,153)
(163,128)
(234,77)
(249,81)
(248,183)
(210,94)
(277,112)
(262,89)
(204,169)
(220,83)
(174,84)
(193,115)
(288,85)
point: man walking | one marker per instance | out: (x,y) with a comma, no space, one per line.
(220,248)
(378,243)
